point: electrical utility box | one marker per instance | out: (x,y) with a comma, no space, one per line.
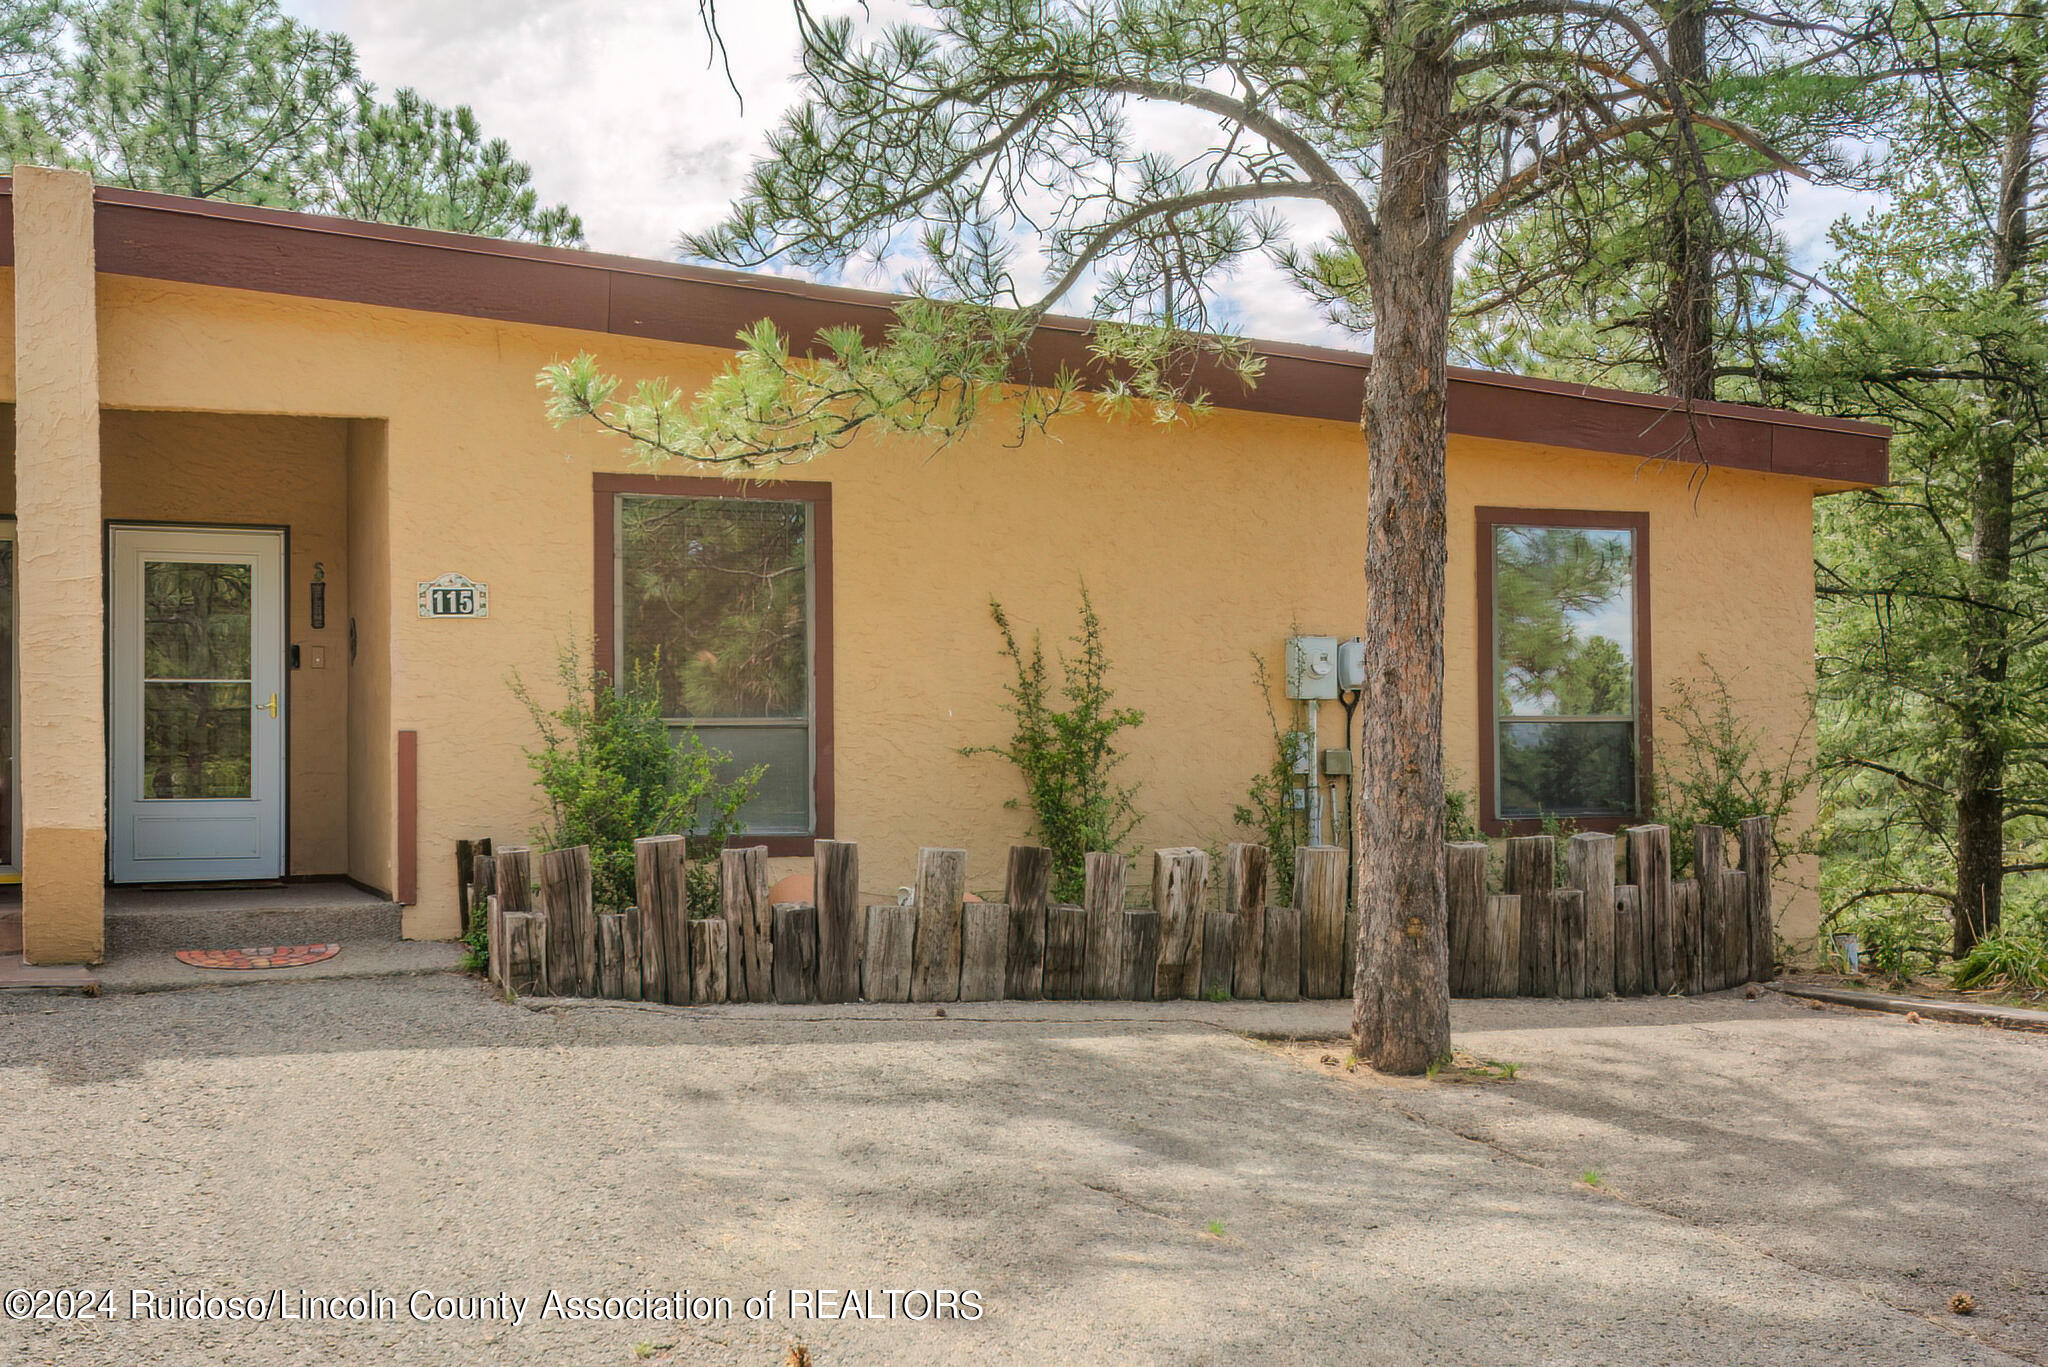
(1351,664)
(1311,667)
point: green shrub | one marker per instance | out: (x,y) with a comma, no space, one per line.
(2014,960)
(1271,811)
(1713,774)
(1068,755)
(612,773)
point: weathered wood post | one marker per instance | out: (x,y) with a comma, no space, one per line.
(793,966)
(572,921)
(1734,931)
(648,913)
(526,954)
(1465,903)
(1102,958)
(1754,834)
(1319,885)
(1628,941)
(1219,954)
(1066,949)
(1685,935)
(835,881)
(611,955)
(1280,956)
(1589,861)
(661,896)
(886,957)
(749,923)
(1531,874)
(1503,952)
(1649,868)
(1569,921)
(514,873)
(1180,886)
(1140,969)
(710,960)
(1027,890)
(1709,857)
(630,933)
(984,950)
(1247,871)
(940,892)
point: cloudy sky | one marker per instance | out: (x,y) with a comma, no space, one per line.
(614,105)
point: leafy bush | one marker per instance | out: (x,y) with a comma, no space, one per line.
(1714,775)
(613,773)
(1068,755)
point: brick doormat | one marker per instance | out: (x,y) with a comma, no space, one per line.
(264,956)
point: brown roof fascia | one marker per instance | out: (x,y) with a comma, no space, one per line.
(210,242)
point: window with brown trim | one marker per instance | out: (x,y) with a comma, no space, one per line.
(718,596)
(1564,650)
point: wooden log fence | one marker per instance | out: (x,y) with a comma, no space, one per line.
(1530,933)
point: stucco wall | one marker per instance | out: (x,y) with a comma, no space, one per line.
(366,622)
(1200,545)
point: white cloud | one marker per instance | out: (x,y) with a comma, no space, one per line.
(623,116)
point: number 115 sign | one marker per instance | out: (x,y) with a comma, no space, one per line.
(454,595)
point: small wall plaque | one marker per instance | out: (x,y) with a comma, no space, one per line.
(454,595)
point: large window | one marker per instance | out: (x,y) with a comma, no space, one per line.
(1564,602)
(716,597)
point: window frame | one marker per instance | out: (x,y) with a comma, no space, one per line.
(1638,523)
(607,610)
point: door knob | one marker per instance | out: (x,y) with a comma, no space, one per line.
(270,707)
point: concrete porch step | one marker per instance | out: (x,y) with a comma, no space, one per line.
(157,971)
(141,920)
(16,975)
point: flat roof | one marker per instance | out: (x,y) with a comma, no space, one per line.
(237,246)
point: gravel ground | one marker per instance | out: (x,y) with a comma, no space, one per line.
(1115,1192)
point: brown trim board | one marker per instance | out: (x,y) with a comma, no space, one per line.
(606,488)
(1490,821)
(408,892)
(207,242)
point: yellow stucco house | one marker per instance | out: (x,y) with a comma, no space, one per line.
(283,515)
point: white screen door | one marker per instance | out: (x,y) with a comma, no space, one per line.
(196,672)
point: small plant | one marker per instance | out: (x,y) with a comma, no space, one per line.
(1214,1229)
(1508,1071)
(1458,822)
(2014,960)
(1715,776)
(1591,1177)
(612,772)
(1219,993)
(1068,755)
(1272,809)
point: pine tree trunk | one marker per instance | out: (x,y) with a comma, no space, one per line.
(1984,748)
(1401,1013)
(1686,340)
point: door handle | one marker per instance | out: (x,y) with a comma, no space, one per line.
(270,707)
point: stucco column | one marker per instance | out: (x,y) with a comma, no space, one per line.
(63,743)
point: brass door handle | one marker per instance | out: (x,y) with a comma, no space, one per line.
(270,707)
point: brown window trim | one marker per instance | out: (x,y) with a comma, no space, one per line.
(1490,822)
(606,488)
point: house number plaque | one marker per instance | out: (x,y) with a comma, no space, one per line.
(454,595)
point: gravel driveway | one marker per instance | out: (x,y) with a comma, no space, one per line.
(1777,1185)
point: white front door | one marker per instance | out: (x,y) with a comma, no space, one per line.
(196,687)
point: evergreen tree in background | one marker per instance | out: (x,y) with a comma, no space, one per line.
(232,99)
(1933,592)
